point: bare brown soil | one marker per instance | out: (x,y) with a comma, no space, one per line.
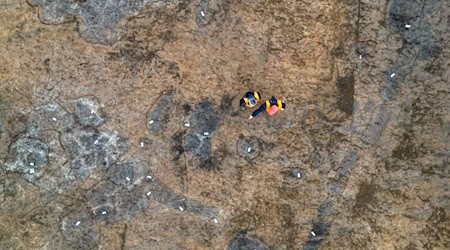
(358,160)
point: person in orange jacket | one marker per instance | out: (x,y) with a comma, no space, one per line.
(249,100)
(270,106)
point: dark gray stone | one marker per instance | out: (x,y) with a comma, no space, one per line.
(420,41)
(88,112)
(89,149)
(199,144)
(27,155)
(243,145)
(401,12)
(348,163)
(106,213)
(298,173)
(244,241)
(200,209)
(80,236)
(102,194)
(377,124)
(50,116)
(98,19)
(130,202)
(205,119)
(158,117)
(121,173)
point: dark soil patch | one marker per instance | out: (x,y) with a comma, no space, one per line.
(405,150)
(365,197)
(346,86)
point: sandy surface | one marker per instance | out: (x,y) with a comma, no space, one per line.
(120,125)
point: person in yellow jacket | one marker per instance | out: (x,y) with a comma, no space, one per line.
(270,106)
(250,99)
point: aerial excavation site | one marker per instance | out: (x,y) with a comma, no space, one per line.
(224,124)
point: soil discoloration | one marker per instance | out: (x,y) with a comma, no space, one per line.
(129,112)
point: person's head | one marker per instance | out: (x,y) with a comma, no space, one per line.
(283,106)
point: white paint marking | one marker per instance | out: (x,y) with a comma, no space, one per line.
(201,12)
(249,149)
(215,221)
(32,171)
(151,122)
(142,144)
(206,133)
(92,111)
(78,223)
(149,176)
(360,57)
(149,193)
(31,163)
(187,124)
(313,234)
(181,208)
(54,119)
(298,175)
(128,179)
(104,212)
(408,26)
(393,74)
(96,141)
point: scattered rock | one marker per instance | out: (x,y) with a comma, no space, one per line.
(50,116)
(88,112)
(244,241)
(158,117)
(377,124)
(205,120)
(248,147)
(130,202)
(298,173)
(27,157)
(80,236)
(121,173)
(89,149)
(98,19)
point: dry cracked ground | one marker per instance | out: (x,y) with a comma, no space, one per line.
(120,126)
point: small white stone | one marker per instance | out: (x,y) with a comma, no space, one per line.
(151,122)
(54,119)
(206,133)
(149,176)
(298,175)
(128,179)
(92,111)
(215,221)
(149,193)
(96,141)
(32,171)
(104,212)
(78,223)
(31,163)
(408,26)
(249,149)
(393,74)
(201,12)
(360,57)
(312,233)
(187,124)
(142,144)
(181,208)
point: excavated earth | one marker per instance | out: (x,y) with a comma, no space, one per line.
(120,125)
